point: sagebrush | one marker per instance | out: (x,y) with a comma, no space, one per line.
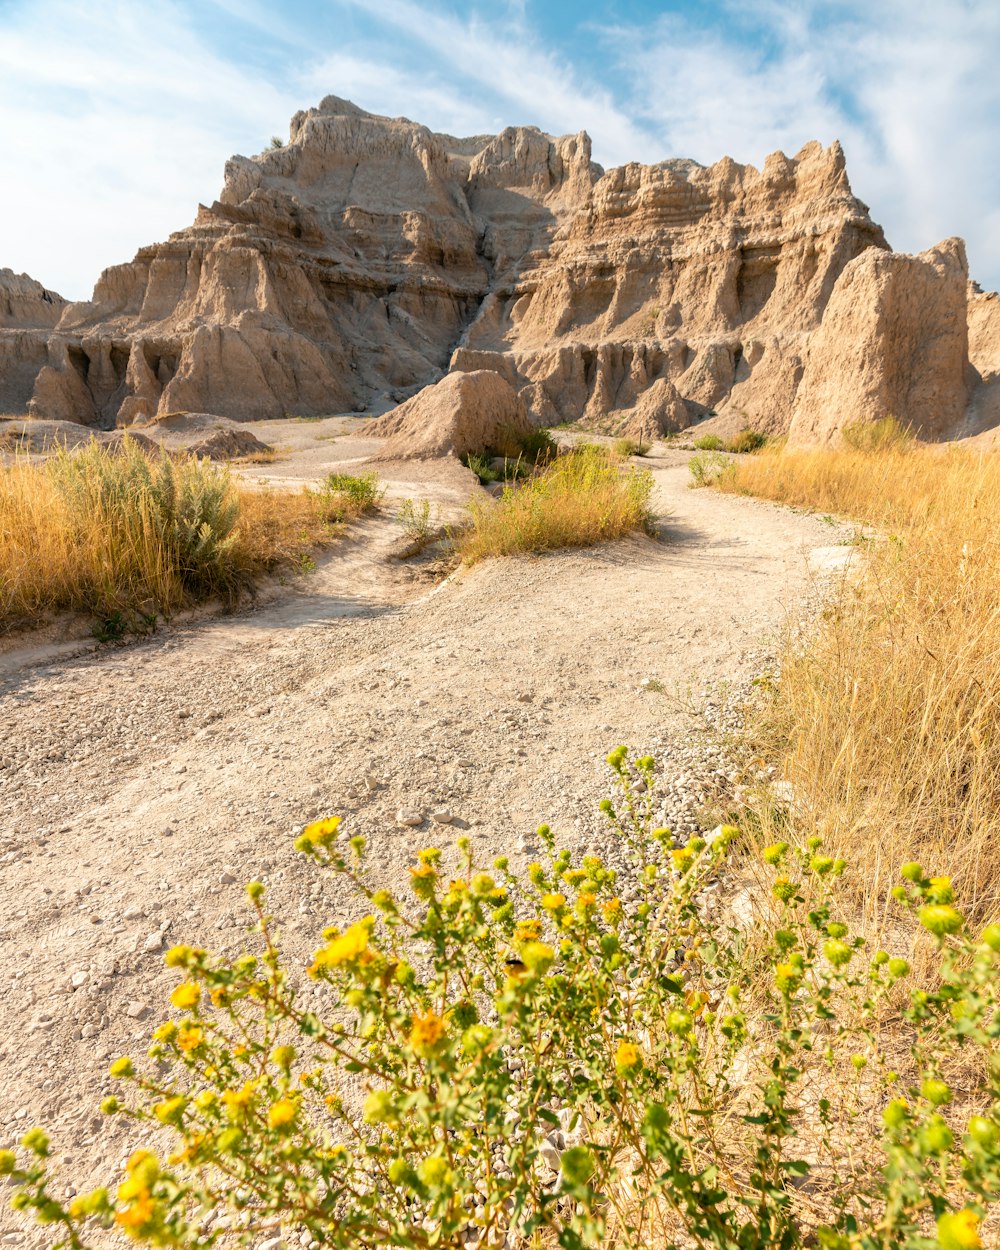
(123,535)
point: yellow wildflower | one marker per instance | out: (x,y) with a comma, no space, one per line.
(553,902)
(423,878)
(528,931)
(343,948)
(238,1100)
(189,1036)
(959,1230)
(186,995)
(321,832)
(628,1060)
(164,1032)
(426,1032)
(611,910)
(137,1215)
(282,1113)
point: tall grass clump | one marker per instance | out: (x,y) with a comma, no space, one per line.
(118,534)
(579,499)
(885,716)
(566,1056)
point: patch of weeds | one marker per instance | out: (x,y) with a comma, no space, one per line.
(707,467)
(483,469)
(746,441)
(709,442)
(415,517)
(626,447)
(345,495)
(889,434)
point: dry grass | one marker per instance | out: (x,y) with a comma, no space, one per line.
(122,537)
(582,498)
(886,716)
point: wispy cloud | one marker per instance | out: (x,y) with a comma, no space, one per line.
(116,124)
(117,120)
(911,89)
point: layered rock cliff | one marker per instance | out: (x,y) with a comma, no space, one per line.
(369,256)
(28,312)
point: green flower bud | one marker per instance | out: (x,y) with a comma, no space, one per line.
(774,854)
(110,1105)
(836,930)
(991,937)
(983,1132)
(379,1108)
(911,872)
(935,1138)
(577,1165)
(940,919)
(435,1173)
(37,1141)
(838,953)
(896,1113)
(936,1092)
(8,1162)
(400,1173)
(256,890)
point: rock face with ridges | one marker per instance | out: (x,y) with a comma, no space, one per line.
(27,313)
(894,342)
(370,256)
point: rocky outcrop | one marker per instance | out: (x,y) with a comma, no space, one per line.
(463,413)
(370,256)
(893,342)
(28,312)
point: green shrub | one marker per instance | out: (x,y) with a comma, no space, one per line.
(346,494)
(875,436)
(626,447)
(709,442)
(538,446)
(483,469)
(581,1057)
(581,498)
(415,518)
(746,441)
(707,467)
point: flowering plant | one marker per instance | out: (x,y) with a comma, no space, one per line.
(573,1055)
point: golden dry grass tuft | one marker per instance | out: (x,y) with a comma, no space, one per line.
(584,497)
(121,535)
(886,718)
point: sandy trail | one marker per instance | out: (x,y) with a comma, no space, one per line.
(137,783)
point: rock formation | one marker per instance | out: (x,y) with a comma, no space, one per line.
(463,413)
(894,342)
(28,312)
(369,257)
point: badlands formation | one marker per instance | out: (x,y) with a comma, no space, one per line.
(370,257)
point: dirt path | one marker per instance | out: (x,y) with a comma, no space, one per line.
(139,787)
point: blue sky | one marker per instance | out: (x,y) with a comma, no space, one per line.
(116,118)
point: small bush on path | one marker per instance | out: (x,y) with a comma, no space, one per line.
(581,498)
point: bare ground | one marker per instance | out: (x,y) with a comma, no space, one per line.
(140,786)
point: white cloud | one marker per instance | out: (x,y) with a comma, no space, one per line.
(117,120)
(911,89)
(113,123)
(506,63)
